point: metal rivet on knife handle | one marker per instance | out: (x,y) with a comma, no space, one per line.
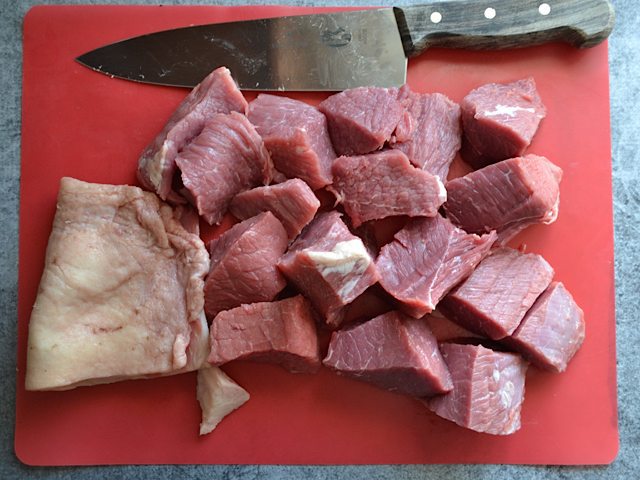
(544,9)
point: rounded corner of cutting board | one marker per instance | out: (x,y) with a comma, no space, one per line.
(610,454)
(36,13)
(24,453)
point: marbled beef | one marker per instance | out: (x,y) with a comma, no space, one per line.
(552,330)
(507,196)
(282,332)
(296,136)
(392,351)
(499,121)
(292,202)
(488,389)
(493,300)
(436,131)
(243,264)
(329,265)
(217,93)
(426,259)
(226,158)
(362,119)
(383,184)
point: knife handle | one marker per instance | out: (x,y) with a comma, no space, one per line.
(498,24)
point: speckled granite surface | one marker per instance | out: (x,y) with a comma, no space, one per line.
(625,91)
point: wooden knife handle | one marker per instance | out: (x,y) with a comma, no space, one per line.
(498,24)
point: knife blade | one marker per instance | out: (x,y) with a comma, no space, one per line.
(346,49)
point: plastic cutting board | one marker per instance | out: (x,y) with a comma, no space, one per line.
(86,125)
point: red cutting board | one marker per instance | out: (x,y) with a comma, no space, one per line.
(83,124)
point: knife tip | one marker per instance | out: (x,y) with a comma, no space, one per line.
(83,60)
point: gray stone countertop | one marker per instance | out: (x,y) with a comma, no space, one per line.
(624,64)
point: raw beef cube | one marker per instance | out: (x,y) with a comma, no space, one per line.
(217,93)
(383,184)
(392,351)
(436,135)
(426,259)
(281,332)
(445,330)
(507,196)
(218,396)
(488,389)
(188,218)
(552,331)
(499,121)
(292,202)
(243,264)
(496,296)
(296,136)
(121,292)
(362,119)
(226,158)
(329,265)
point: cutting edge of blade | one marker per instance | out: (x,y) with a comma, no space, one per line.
(97,69)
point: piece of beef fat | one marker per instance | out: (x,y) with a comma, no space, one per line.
(226,158)
(281,332)
(296,135)
(436,133)
(362,119)
(488,389)
(499,121)
(384,184)
(121,295)
(243,264)
(292,202)
(218,396)
(217,93)
(507,196)
(329,265)
(392,351)
(552,331)
(426,259)
(493,300)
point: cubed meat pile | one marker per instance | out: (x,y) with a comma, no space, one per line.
(128,281)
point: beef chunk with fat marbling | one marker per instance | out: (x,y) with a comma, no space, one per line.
(507,196)
(292,202)
(426,259)
(552,331)
(226,158)
(282,332)
(383,184)
(362,119)
(488,389)
(296,136)
(392,351)
(499,121)
(436,131)
(243,264)
(329,265)
(217,93)
(493,300)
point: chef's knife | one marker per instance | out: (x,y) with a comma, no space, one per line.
(346,49)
